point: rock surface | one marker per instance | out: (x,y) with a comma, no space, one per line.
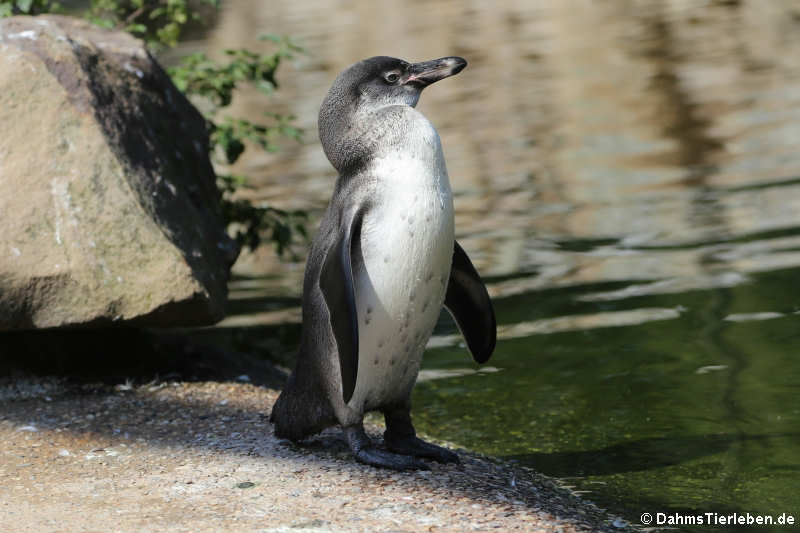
(202,457)
(108,205)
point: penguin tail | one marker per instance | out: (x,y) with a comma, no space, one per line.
(300,413)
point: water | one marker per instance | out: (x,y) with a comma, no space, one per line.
(627,178)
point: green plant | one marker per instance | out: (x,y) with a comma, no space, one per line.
(198,76)
(27,7)
(159,23)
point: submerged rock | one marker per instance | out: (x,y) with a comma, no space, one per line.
(108,206)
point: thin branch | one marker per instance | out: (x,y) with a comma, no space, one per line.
(130,18)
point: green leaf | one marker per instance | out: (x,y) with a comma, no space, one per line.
(24,5)
(140,29)
(274,37)
(5,9)
(102,22)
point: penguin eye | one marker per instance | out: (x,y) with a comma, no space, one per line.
(392,77)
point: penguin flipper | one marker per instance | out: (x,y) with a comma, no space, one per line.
(338,288)
(469,303)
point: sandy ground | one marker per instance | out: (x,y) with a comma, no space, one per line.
(202,457)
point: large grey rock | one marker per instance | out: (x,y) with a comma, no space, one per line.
(108,207)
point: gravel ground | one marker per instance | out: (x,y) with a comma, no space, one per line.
(202,457)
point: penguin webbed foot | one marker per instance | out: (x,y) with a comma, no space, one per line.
(412,445)
(400,437)
(381,458)
(367,453)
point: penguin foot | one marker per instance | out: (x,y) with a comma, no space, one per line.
(416,447)
(384,459)
(366,452)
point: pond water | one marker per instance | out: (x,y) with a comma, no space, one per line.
(627,180)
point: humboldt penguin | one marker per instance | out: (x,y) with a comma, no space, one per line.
(381,266)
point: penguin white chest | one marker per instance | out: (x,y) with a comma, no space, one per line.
(407,248)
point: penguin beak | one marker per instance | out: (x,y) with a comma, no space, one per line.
(428,72)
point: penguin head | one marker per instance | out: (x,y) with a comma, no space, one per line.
(372,84)
(384,81)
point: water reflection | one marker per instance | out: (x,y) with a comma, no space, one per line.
(637,455)
(627,177)
(570,124)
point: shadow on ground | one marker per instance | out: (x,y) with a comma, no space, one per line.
(117,355)
(107,388)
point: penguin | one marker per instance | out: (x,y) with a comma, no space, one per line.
(380,268)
